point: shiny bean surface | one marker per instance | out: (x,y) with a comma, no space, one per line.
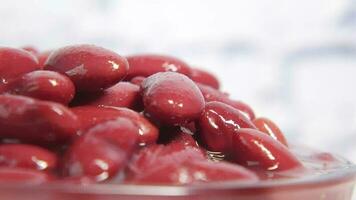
(122,94)
(36,121)
(258,150)
(204,77)
(172,98)
(15,62)
(218,124)
(90,116)
(44,85)
(27,156)
(148,64)
(270,128)
(90,67)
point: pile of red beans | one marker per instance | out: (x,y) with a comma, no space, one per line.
(84,114)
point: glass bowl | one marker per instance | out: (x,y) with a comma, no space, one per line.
(334,183)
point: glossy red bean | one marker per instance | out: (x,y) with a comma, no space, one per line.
(211,94)
(44,85)
(15,63)
(172,98)
(27,156)
(137,80)
(267,126)
(123,94)
(204,77)
(93,157)
(90,116)
(36,121)
(183,139)
(258,150)
(23,176)
(218,124)
(148,64)
(244,108)
(122,132)
(91,68)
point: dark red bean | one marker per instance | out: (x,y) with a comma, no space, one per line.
(122,132)
(218,124)
(148,64)
(137,80)
(23,176)
(244,108)
(93,157)
(15,63)
(36,121)
(211,94)
(204,77)
(123,94)
(172,98)
(270,128)
(258,150)
(27,156)
(90,116)
(44,85)
(183,139)
(91,68)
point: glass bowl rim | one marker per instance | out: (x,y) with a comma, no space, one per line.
(346,174)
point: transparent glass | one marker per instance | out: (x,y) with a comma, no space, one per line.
(336,183)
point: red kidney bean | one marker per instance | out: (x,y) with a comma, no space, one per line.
(258,150)
(123,94)
(270,128)
(149,64)
(122,132)
(23,176)
(27,156)
(42,58)
(137,80)
(91,68)
(44,85)
(194,171)
(172,98)
(211,94)
(90,116)
(183,139)
(93,157)
(204,77)
(36,121)
(15,63)
(244,108)
(218,123)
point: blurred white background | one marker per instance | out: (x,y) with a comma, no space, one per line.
(292,61)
